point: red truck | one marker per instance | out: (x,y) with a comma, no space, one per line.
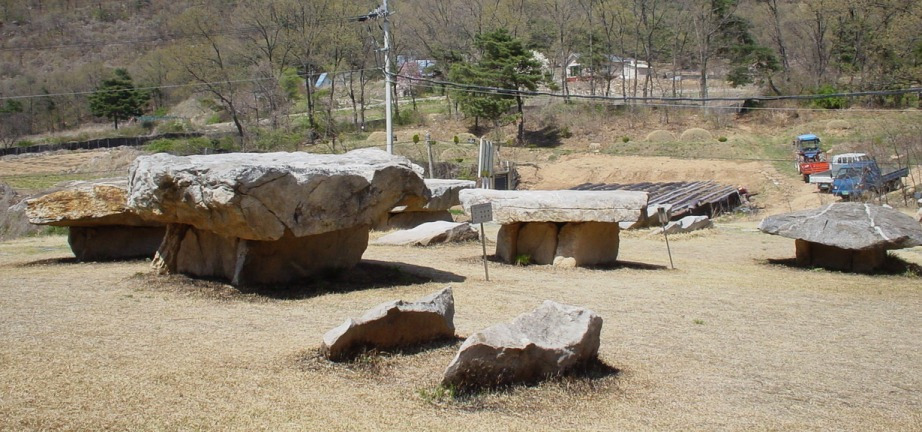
(811,158)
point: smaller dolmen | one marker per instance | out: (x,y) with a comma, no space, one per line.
(443,196)
(845,236)
(101,227)
(567,227)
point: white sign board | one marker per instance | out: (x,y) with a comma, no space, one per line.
(481,213)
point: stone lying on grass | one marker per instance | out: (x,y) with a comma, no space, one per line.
(845,236)
(687,224)
(580,227)
(443,196)
(100,224)
(430,233)
(268,218)
(549,341)
(393,325)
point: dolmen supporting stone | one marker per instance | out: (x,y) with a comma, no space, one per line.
(270,218)
(572,227)
(549,341)
(393,324)
(845,236)
(444,195)
(430,233)
(100,225)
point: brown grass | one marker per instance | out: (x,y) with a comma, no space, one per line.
(726,341)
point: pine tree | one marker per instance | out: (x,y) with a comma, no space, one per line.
(505,64)
(118,99)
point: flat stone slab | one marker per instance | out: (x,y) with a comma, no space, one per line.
(392,325)
(848,225)
(430,233)
(687,224)
(86,203)
(102,227)
(444,194)
(549,341)
(559,206)
(264,196)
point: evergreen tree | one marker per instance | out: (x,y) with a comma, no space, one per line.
(505,64)
(118,99)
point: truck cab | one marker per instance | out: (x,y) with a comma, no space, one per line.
(810,156)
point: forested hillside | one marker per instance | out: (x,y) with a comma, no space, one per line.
(249,60)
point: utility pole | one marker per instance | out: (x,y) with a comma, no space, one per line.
(388,84)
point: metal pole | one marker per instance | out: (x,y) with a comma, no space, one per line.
(387,82)
(429,153)
(483,244)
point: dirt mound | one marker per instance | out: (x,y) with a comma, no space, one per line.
(660,136)
(696,135)
(838,125)
(776,192)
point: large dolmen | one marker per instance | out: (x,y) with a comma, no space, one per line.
(845,236)
(271,218)
(100,225)
(443,196)
(567,227)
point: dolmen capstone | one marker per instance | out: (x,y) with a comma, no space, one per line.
(443,196)
(549,341)
(845,236)
(393,324)
(271,218)
(100,225)
(567,227)
(430,233)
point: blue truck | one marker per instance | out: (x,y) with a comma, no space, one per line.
(861,178)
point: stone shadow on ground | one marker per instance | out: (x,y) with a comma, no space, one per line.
(893,266)
(368,274)
(633,265)
(47,262)
(590,376)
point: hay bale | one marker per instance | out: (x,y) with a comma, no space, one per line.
(660,136)
(696,135)
(838,125)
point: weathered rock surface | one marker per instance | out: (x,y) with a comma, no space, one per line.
(274,218)
(412,219)
(559,206)
(101,226)
(392,325)
(587,244)
(430,233)
(845,236)
(688,224)
(443,194)
(86,203)
(265,196)
(548,341)
(847,225)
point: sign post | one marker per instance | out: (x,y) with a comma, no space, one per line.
(663,219)
(481,213)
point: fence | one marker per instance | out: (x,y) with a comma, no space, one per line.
(95,144)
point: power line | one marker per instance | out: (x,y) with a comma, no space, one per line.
(638,102)
(533,93)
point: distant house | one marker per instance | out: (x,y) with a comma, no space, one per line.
(614,67)
(407,69)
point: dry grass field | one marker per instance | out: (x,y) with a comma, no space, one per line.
(733,339)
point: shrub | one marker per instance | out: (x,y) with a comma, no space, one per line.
(625,139)
(722,139)
(829,102)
